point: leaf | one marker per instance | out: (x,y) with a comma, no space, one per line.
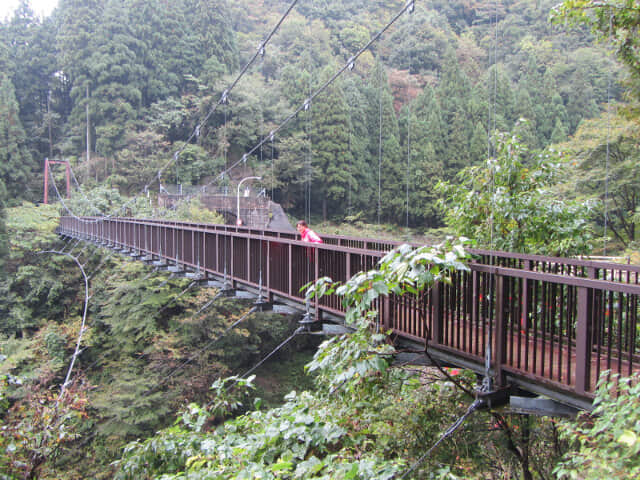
(628,438)
(281,465)
(353,473)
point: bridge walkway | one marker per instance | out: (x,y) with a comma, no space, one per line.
(552,324)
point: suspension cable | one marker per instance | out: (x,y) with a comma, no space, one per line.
(606,177)
(224,97)
(75,180)
(472,408)
(209,344)
(307,196)
(177,297)
(349,64)
(379,142)
(77,350)
(490,298)
(257,365)
(197,129)
(410,24)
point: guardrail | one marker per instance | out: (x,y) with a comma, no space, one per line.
(552,324)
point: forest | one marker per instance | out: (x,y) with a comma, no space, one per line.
(524,112)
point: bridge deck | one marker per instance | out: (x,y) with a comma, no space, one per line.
(553,324)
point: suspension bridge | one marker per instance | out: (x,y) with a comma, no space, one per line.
(551,325)
(541,325)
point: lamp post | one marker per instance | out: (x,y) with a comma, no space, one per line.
(238,221)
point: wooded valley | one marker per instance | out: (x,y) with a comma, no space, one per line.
(513,123)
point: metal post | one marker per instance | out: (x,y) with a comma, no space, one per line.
(46,181)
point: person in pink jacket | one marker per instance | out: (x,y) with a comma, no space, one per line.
(307,234)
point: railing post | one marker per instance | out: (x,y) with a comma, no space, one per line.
(584,338)
(248,259)
(217,263)
(474,298)
(289,272)
(385,313)
(524,295)
(317,276)
(231,262)
(268,279)
(500,332)
(436,324)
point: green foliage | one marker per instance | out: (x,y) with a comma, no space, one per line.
(194,164)
(349,429)
(31,227)
(508,204)
(147,72)
(605,152)
(32,295)
(192,210)
(608,439)
(39,431)
(613,21)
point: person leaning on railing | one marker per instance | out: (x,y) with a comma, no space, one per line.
(306,233)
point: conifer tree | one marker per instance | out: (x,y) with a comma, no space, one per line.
(478,144)
(423,170)
(211,22)
(33,65)
(16,164)
(116,79)
(4,242)
(454,94)
(385,155)
(429,120)
(330,149)
(77,25)
(559,133)
(362,178)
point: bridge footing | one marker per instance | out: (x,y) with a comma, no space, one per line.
(541,406)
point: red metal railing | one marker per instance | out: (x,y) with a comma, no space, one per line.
(554,323)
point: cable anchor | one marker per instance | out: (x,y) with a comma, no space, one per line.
(307,318)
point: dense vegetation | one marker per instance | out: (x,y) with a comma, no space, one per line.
(424,114)
(146,352)
(422,103)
